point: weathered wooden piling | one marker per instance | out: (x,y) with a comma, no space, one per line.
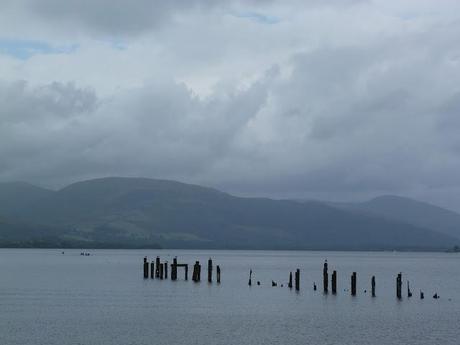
(353,284)
(186,272)
(334,282)
(399,286)
(409,293)
(325,278)
(218,274)
(174,269)
(152,269)
(297,279)
(314,286)
(422,295)
(250,278)
(161,270)
(373,286)
(209,270)
(290,280)
(166,269)
(146,268)
(157,264)
(196,277)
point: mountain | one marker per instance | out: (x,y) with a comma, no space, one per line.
(18,195)
(137,212)
(410,211)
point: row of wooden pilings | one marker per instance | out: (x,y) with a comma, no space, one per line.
(159,270)
(353,283)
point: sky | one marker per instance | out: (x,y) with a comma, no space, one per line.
(338,100)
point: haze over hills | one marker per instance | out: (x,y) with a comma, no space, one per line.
(409,211)
(138,212)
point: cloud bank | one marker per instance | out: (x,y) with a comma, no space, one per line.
(335,100)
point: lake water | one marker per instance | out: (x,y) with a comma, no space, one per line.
(50,298)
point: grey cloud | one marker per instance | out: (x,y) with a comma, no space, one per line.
(336,120)
(121,18)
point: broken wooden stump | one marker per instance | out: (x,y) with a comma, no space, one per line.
(196,276)
(353,284)
(174,269)
(399,286)
(161,270)
(334,282)
(146,268)
(218,274)
(290,280)
(157,270)
(325,278)
(297,279)
(373,286)
(209,270)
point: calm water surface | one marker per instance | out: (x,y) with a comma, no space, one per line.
(50,298)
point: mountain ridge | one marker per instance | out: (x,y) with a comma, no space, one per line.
(137,212)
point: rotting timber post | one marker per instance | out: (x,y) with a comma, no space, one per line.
(218,274)
(297,279)
(174,269)
(146,268)
(209,270)
(334,282)
(325,278)
(373,286)
(157,267)
(399,286)
(196,277)
(290,280)
(353,284)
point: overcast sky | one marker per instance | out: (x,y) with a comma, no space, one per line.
(339,99)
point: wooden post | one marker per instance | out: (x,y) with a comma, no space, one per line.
(196,272)
(409,293)
(398,286)
(157,264)
(297,279)
(290,280)
(334,282)
(161,270)
(373,286)
(174,269)
(250,278)
(422,295)
(146,268)
(152,270)
(166,269)
(186,272)
(209,270)
(325,278)
(353,284)
(218,274)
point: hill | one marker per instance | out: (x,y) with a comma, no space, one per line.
(410,211)
(136,212)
